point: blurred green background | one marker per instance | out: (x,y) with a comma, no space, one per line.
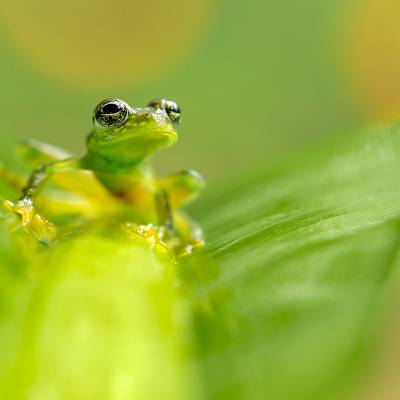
(253,78)
(256,80)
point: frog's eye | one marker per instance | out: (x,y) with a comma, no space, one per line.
(111,113)
(173,111)
(170,107)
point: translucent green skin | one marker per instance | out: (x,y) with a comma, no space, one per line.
(123,148)
(119,159)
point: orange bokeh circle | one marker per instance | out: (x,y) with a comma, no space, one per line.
(96,43)
(372,56)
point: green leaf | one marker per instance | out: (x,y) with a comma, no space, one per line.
(305,250)
(281,304)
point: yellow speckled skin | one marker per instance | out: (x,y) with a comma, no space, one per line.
(114,180)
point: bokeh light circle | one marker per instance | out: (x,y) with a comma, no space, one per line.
(372,56)
(97,43)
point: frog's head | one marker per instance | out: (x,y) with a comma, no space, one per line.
(125,134)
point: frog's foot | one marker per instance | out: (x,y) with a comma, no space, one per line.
(153,235)
(30,221)
(190,247)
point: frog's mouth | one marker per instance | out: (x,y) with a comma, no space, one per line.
(151,136)
(131,145)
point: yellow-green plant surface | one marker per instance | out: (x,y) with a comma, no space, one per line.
(281,304)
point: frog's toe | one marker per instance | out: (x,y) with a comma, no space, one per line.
(7,205)
(31,222)
(190,247)
(42,229)
(9,219)
(24,208)
(152,235)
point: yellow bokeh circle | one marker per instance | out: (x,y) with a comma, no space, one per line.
(372,56)
(95,43)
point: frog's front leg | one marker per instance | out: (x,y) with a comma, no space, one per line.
(180,189)
(31,221)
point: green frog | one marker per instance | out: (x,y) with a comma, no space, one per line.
(114,179)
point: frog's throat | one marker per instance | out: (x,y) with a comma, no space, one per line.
(98,163)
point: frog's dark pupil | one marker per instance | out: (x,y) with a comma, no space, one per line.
(111,108)
(174,108)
